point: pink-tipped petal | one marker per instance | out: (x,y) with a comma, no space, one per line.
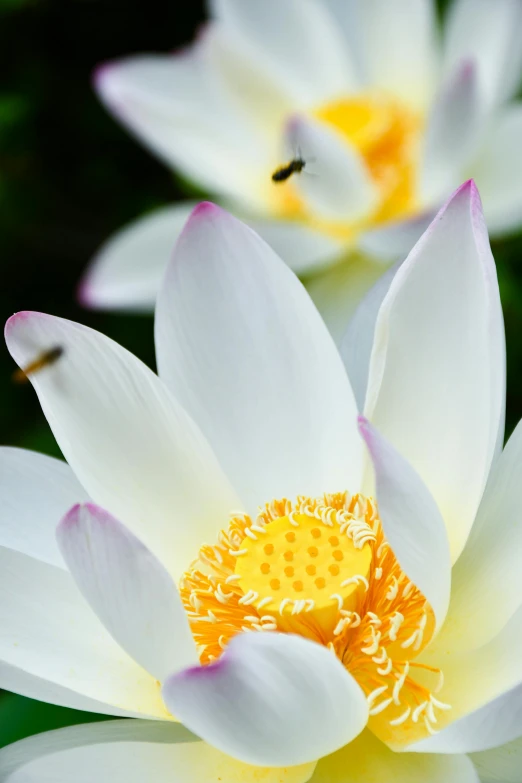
(236,338)
(133,447)
(436,386)
(205,210)
(127,587)
(272,699)
(411,521)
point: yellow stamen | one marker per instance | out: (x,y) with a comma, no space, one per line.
(311,548)
(323,569)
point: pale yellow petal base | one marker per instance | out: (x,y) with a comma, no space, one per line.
(367,760)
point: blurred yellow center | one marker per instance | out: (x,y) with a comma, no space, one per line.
(322,568)
(387,134)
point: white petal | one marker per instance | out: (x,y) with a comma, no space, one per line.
(273,699)
(452,135)
(338,291)
(411,521)
(397,46)
(437,372)
(488,33)
(33,687)
(127,270)
(132,446)
(302,247)
(48,631)
(500,765)
(171,104)
(347,15)
(498,171)
(129,590)
(356,344)
(336,185)
(35,493)
(496,723)
(484,689)
(367,760)
(487,578)
(130,752)
(299,38)
(251,82)
(244,350)
(395,239)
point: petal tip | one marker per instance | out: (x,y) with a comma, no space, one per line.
(369,436)
(476,201)
(71,518)
(85,293)
(204,214)
(100,74)
(294,122)
(466,188)
(466,196)
(467,69)
(16,319)
(205,210)
(75,516)
(469,191)
(364,427)
(21,315)
(197,671)
(108,87)
(361,421)
(191,673)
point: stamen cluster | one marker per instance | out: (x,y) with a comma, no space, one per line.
(322,568)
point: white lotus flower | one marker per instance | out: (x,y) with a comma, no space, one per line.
(318,633)
(390,116)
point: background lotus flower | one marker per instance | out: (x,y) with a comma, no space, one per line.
(388,118)
(253,403)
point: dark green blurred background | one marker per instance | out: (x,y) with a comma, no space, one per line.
(69,176)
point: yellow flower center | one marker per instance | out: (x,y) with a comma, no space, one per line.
(298,564)
(323,569)
(387,134)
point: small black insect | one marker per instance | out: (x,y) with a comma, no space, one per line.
(295,166)
(44,360)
